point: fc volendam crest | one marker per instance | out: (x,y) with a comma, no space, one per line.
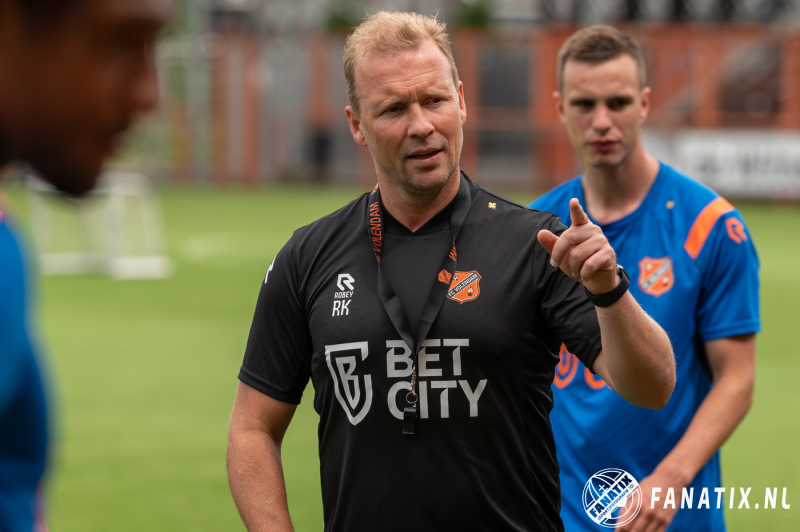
(656,276)
(465,286)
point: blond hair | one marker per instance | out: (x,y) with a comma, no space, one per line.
(392,32)
(598,44)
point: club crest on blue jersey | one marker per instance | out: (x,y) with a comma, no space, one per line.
(656,276)
(465,286)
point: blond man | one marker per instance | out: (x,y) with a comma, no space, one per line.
(428,316)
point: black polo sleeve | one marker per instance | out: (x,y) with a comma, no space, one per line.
(277,361)
(568,315)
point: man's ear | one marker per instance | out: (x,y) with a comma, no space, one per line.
(559,103)
(355,126)
(645,110)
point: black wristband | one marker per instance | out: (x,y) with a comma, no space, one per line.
(609,298)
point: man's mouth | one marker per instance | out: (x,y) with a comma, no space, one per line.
(603,145)
(425,156)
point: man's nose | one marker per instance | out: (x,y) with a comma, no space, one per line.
(601,121)
(420,125)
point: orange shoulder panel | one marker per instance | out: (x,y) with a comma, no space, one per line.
(703,225)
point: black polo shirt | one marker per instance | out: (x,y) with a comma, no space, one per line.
(483,456)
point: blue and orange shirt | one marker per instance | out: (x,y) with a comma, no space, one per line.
(23,423)
(694,269)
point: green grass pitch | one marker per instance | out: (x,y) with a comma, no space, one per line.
(144,372)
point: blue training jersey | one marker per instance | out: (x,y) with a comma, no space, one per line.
(694,269)
(23,424)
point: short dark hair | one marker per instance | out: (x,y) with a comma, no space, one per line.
(598,44)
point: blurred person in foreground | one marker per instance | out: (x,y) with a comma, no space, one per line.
(428,316)
(696,273)
(73,74)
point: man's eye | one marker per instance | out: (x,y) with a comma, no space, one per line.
(394,109)
(617,104)
(584,104)
(436,100)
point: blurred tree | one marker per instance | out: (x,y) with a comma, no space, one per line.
(726,10)
(548,9)
(345,16)
(679,11)
(472,14)
(631,10)
(773,9)
(178,24)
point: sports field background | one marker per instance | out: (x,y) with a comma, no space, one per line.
(144,372)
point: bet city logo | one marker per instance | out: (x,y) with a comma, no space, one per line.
(354,389)
(612,489)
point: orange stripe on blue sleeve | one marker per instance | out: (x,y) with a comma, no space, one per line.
(703,225)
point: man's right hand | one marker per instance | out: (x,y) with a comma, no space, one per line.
(582,252)
(636,359)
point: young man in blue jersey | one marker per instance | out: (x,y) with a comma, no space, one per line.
(693,268)
(73,73)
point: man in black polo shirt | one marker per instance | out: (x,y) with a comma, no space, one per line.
(429,318)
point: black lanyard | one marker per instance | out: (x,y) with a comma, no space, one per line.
(436,297)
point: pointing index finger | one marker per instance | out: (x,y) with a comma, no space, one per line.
(576,213)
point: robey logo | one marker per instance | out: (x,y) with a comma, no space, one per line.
(341,299)
(354,389)
(345,280)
